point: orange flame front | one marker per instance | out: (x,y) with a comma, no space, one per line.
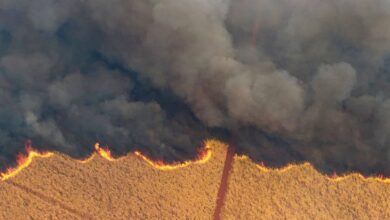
(334,177)
(104,152)
(203,156)
(23,161)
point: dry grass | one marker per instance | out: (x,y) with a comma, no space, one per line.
(302,193)
(62,188)
(124,189)
(17,204)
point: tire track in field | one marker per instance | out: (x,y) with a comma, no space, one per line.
(49,199)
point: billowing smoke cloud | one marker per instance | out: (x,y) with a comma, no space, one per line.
(289,80)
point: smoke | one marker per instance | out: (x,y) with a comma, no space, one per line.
(290,81)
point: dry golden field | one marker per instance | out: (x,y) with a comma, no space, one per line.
(59,187)
(300,192)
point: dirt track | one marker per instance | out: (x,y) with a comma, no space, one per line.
(224,184)
(61,188)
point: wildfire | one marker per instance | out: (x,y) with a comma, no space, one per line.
(104,152)
(379,178)
(334,177)
(24,161)
(86,160)
(203,156)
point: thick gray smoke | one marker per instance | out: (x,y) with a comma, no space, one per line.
(289,80)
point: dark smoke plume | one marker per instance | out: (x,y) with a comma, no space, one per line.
(289,80)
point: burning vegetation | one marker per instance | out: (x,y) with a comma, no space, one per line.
(24,160)
(203,156)
(299,191)
(334,177)
(141,189)
(291,81)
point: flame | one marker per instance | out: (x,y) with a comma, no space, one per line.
(204,155)
(104,152)
(87,159)
(334,177)
(24,161)
(379,178)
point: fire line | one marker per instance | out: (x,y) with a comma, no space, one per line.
(204,155)
(23,161)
